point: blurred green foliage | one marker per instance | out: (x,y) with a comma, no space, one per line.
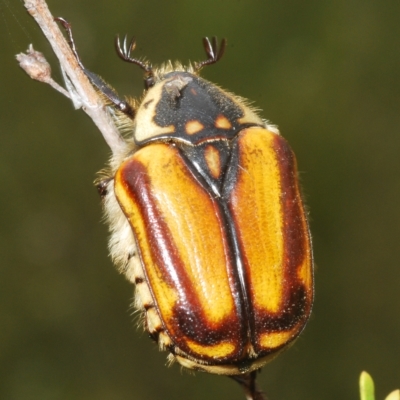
(326,72)
(367,389)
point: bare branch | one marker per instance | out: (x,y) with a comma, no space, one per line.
(37,67)
(79,87)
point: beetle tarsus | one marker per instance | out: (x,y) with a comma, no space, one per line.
(249,385)
(98,82)
(101,185)
(67,26)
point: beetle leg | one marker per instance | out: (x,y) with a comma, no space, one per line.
(249,385)
(101,185)
(98,82)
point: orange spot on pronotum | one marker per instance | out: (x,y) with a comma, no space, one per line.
(193,127)
(222,122)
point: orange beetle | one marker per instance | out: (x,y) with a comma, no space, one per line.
(207,220)
(224,267)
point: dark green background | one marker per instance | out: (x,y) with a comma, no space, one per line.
(326,72)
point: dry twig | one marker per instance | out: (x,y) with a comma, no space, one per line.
(80,90)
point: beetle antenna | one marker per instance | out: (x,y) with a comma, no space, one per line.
(124,52)
(214,53)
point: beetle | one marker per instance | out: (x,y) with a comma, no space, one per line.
(206,219)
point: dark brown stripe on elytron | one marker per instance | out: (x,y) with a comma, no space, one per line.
(296,233)
(294,310)
(295,248)
(230,180)
(189,319)
(202,177)
(138,280)
(261,321)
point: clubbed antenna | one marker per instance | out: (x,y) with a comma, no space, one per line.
(213,52)
(124,52)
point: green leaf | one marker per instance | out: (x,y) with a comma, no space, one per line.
(367,390)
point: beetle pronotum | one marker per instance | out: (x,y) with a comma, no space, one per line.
(207,220)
